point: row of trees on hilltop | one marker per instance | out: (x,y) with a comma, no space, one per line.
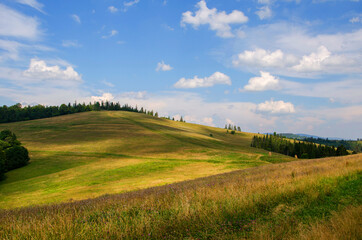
(232,127)
(17,113)
(277,143)
(355,146)
(12,154)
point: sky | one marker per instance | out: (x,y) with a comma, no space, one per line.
(264,65)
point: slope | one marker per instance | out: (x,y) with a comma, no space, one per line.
(90,154)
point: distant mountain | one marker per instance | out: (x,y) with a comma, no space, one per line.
(302,136)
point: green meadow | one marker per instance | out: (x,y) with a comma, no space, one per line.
(123,175)
(90,154)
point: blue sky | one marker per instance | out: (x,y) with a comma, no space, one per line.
(263,65)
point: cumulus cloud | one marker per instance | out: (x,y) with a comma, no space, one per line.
(38,69)
(76,18)
(104,98)
(216,78)
(161,66)
(263,58)
(264,12)
(112,9)
(218,21)
(266,81)
(314,61)
(344,48)
(32,3)
(15,24)
(276,107)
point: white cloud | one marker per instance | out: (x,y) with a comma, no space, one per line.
(314,61)
(208,121)
(265,82)
(112,9)
(296,41)
(32,3)
(264,12)
(15,24)
(111,34)
(216,78)
(161,66)
(109,84)
(131,3)
(263,58)
(76,18)
(70,43)
(134,95)
(167,27)
(345,91)
(218,21)
(355,20)
(105,97)
(38,69)
(276,107)
(14,50)
(229,121)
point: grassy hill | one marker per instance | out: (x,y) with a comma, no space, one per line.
(307,199)
(90,154)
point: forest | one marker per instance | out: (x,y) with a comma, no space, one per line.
(300,149)
(17,112)
(355,146)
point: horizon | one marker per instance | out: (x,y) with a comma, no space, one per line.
(266,66)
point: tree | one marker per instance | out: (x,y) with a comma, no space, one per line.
(16,157)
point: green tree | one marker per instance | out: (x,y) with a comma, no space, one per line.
(16,157)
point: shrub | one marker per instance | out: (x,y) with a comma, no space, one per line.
(16,157)
(2,165)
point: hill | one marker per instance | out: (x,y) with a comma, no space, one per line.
(307,199)
(90,154)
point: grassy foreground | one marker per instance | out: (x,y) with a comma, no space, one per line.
(308,199)
(90,154)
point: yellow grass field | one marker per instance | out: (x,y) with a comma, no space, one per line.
(90,154)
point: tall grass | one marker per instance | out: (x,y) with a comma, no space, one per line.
(281,201)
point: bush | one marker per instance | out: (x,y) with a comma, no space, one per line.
(16,157)
(232,132)
(2,165)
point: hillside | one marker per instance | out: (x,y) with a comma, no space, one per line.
(90,154)
(307,199)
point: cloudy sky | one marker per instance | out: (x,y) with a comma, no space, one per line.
(263,65)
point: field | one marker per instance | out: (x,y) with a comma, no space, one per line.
(308,199)
(90,154)
(122,175)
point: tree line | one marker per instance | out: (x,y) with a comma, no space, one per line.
(232,127)
(354,146)
(277,143)
(12,154)
(17,113)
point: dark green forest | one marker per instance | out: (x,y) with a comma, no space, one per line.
(348,144)
(17,113)
(301,149)
(352,145)
(12,154)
